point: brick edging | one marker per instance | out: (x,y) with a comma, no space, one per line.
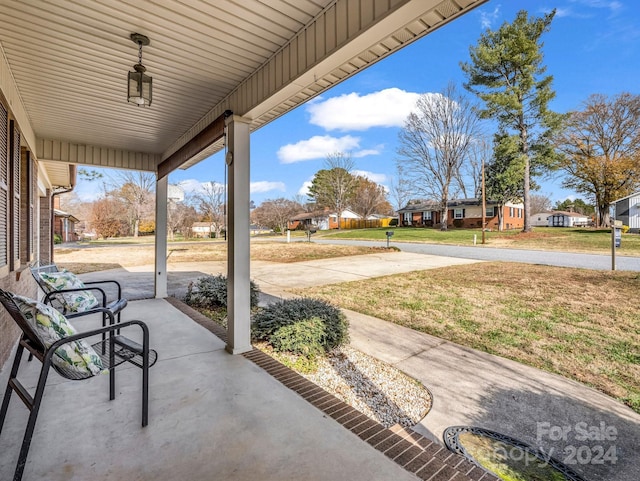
(412,451)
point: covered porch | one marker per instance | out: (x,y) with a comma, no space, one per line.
(212,416)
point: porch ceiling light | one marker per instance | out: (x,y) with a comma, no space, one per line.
(139,89)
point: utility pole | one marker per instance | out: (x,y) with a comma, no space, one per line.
(484,205)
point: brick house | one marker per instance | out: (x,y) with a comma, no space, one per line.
(462,213)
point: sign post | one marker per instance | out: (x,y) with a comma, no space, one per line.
(616,241)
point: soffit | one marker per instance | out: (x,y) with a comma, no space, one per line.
(69,61)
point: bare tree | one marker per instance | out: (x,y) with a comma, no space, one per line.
(334,186)
(276,214)
(434,143)
(136,192)
(470,178)
(212,203)
(400,189)
(540,203)
(180,218)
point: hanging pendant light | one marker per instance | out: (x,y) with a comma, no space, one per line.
(139,89)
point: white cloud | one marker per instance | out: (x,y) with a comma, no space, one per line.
(487,19)
(386,108)
(372,176)
(194,186)
(304,188)
(319,146)
(266,186)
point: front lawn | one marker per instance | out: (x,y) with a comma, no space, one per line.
(582,324)
(542,238)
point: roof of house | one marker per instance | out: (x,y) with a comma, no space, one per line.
(318,214)
(568,214)
(61,213)
(201,224)
(636,194)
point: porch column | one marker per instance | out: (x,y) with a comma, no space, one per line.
(161,237)
(238,275)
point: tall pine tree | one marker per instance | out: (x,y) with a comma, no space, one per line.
(507,73)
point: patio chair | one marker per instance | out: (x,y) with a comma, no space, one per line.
(75,298)
(49,337)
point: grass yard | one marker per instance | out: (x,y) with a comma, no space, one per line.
(579,323)
(542,238)
(105,256)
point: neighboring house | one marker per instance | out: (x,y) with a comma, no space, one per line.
(201,229)
(540,219)
(568,219)
(320,220)
(465,213)
(64,225)
(628,211)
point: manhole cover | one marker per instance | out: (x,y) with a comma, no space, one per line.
(505,456)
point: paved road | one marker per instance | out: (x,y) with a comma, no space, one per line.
(551,258)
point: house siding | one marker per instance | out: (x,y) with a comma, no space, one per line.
(513,217)
(628,211)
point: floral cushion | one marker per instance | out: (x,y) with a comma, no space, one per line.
(50,326)
(78,301)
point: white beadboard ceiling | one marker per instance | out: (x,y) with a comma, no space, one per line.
(66,64)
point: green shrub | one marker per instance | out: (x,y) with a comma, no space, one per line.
(272,318)
(57,239)
(211,292)
(304,337)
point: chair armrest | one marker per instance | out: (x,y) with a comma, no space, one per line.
(102,330)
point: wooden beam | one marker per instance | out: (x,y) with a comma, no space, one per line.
(210,134)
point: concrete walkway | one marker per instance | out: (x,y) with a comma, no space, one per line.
(596,435)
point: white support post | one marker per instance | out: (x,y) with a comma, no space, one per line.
(238,238)
(162,186)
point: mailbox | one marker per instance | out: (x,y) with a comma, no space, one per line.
(389,234)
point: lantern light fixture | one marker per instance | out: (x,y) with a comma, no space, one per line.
(139,83)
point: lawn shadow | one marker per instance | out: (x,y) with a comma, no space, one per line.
(596,442)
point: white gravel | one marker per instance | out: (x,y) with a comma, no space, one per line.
(373,387)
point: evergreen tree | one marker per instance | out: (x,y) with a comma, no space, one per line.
(507,73)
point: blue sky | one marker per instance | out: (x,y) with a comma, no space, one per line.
(593,47)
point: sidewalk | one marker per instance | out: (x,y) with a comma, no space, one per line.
(469,387)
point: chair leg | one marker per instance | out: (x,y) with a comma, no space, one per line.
(112,369)
(7,393)
(31,424)
(145,389)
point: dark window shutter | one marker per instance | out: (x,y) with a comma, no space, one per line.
(4,189)
(14,188)
(463,213)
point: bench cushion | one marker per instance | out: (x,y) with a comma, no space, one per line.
(77,357)
(78,301)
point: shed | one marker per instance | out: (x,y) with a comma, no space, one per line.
(627,210)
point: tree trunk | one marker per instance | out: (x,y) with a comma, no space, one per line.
(136,226)
(444,218)
(501,218)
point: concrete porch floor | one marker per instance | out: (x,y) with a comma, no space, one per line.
(211,416)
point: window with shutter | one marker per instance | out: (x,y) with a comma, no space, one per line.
(4,183)
(14,192)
